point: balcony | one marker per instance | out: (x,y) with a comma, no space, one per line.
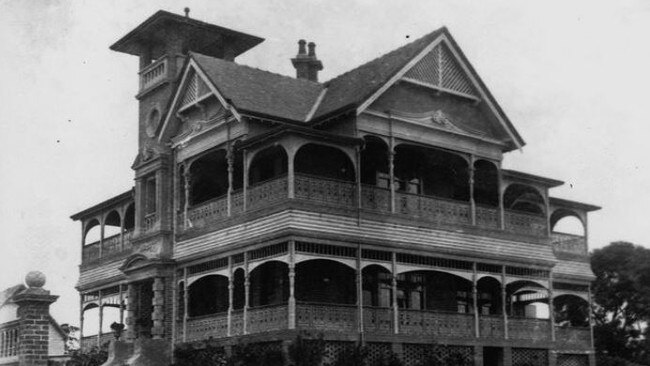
(343,319)
(153,74)
(333,194)
(110,247)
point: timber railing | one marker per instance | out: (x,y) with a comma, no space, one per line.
(332,193)
(344,318)
(111,246)
(568,243)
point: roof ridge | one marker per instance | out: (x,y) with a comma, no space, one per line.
(258,69)
(396,50)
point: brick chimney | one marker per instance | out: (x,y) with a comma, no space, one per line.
(306,64)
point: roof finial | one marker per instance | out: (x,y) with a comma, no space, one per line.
(187,12)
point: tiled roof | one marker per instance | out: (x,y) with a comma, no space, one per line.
(270,94)
(357,85)
(260,92)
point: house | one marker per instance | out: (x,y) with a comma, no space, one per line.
(372,208)
(29,336)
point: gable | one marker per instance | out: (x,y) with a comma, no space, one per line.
(196,106)
(442,69)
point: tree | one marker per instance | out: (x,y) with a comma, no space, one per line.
(622,301)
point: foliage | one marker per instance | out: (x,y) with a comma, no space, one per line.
(94,357)
(622,302)
(305,351)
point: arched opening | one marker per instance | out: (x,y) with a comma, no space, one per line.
(374,162)
(486,183)
(433,290)
(129,218)
(489,296)
(571,311)
(91,320)
(269,284)
(431,172)
(208,177)
(112,224)
(239,290)
(110,315)
(268,164)
(324,161)
(527,299)
(325,281)
(208,295)
(93,232)
(377,286)
(567,222)
(519,197)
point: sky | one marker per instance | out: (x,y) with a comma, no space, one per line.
(571,76)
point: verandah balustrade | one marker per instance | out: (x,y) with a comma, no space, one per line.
(343,194)
(376,320)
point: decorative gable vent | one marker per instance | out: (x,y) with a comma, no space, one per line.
(195,91)
(439,68)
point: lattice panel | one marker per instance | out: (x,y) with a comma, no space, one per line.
(428,69)
(572,360)
(377,352)
(333,349)
(191,91)
(529,357)
(440,68)
(453,77)
(422,354)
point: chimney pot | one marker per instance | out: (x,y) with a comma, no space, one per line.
(187,12)
(301,47)
(312,49)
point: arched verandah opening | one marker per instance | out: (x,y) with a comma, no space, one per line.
(489,300)
(129,218)
(324,161)
(208,177)
(269,284)
(90,325)
(434,290)
(208,295)
(268,164)
(568,222)
(431,172)
(571,311)
(325,281)
(92,232)
(377,286)
(523,198)
(527,299)
(112,224)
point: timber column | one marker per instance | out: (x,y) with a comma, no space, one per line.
(34,321)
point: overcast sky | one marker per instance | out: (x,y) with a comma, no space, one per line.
(572,76)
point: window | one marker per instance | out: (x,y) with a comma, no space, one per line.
(150,196)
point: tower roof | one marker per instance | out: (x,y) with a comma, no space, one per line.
(208,39)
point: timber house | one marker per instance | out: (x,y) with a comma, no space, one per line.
(369,208)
